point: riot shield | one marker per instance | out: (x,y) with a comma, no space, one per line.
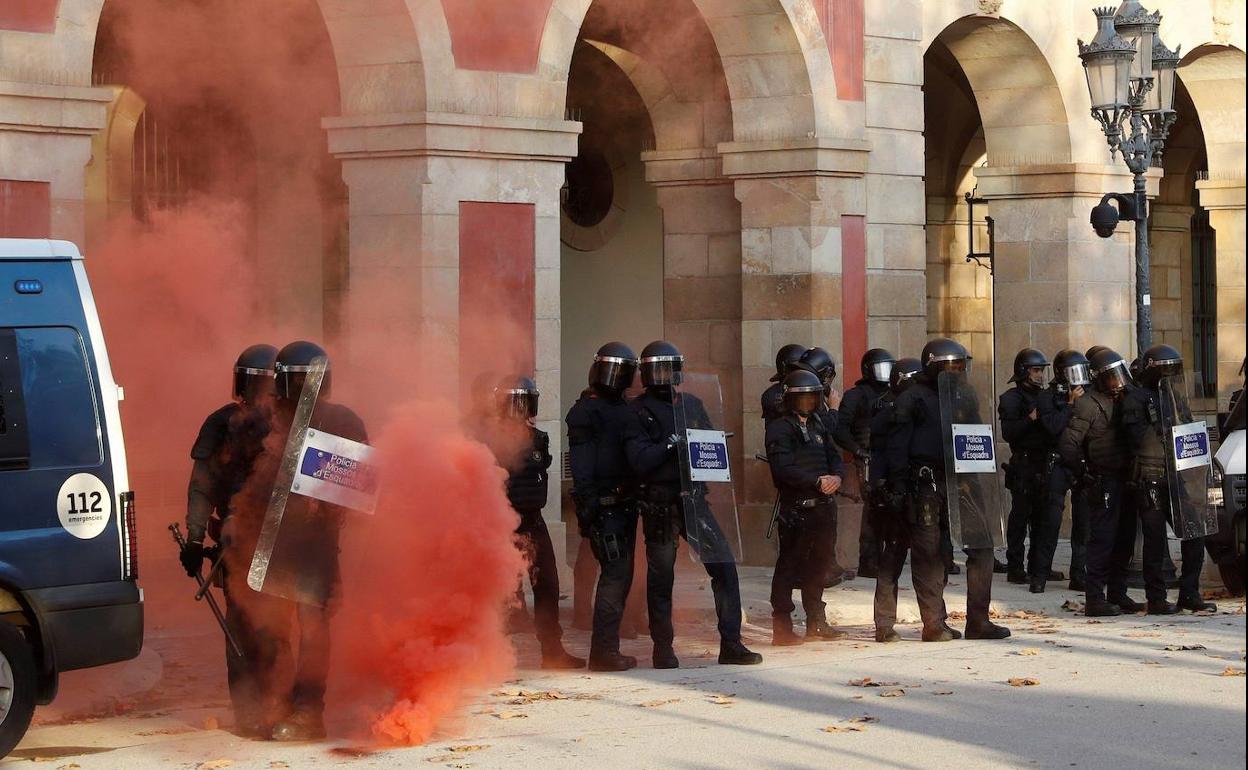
(1188,462)
(706,490)
(972,487)
(321,476)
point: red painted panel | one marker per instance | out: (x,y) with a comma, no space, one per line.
(844,27)
(853,291)
(25,209)
(496,35)
(497,245)
(28,15)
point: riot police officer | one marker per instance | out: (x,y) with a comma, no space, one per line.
(1027,473)
(652,442)
(787,359)
(820,362)
(524,450)
(1094,451)
(603,489)
(223,456)
(853,434)
(1056,406)
(916,464)
(890,525)
(807,470)
(1151,494)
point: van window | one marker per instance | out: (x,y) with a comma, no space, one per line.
(63,422)
(14,442)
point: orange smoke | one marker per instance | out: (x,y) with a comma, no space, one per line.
(421,622)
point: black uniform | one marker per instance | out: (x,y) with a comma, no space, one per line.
(528,481)
(891,525)
(1032,455)
(1149,495)
(853,434)
(657,466)
(1055,410)
(1093,448)
(773,401)
(603,489)
(916,463)
(224,454)
(798,454)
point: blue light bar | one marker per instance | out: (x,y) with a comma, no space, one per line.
(28,286)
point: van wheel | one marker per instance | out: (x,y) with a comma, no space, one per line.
(1232,576)
(17,687)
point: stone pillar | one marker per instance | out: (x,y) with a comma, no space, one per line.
(1224,200)
(1058,284)
(408,176)
(959,293)
(45,138)
(1170,276)
(793,195)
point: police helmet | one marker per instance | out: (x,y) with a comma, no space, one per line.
(1159,361)
(1070,367)
(798,383)
(253,372)
(1094,350)
(517,397)
(877,365)
(615,365)
(821,363)
(1109,372)
(661,364)
(943,354)
(292,366)
(903,374)
(1026,360)
(787,358)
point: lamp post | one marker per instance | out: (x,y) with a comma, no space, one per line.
(1131,77)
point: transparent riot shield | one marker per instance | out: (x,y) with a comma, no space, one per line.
(972,486)
(321,477)
(707,494)
(1188,462)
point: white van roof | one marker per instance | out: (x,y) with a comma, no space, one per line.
(37,248)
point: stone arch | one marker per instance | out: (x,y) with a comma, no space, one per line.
(1214,78)
(774,56)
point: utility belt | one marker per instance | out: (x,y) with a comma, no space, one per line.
(658,494)
(662,519)
(807,503)
(927,502)
(618,498)
(1148,471)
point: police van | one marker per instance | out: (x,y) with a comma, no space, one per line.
(68,592)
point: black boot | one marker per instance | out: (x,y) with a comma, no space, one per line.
(665,657)
(1055,575)
(1162,607)
(1037,585)
(1196,604)
(818,627)
(737,654)
(1127,604)
(302,725)
(611,661)
(1017,576)
(998,567)
(1096,607)
(836,575)
(952,568)
(942,633)
(1077,584)
(886,635)
(555,657)
(782,634)
(986,630)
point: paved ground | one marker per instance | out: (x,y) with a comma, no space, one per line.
(1115,693)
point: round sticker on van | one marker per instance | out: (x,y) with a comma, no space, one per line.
(84,505)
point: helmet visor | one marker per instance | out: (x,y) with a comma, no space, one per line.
(660,371)
(613,373)
(253,385)
(519,404)
(801,402)
(1037,375)
(1166,369)
(1113,379)
(880,372)
(1077,374)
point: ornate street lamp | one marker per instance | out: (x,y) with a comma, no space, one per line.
(1131,76)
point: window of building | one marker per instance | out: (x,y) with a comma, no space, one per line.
(1204,365)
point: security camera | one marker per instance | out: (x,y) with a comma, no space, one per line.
(1105,216)
(1104,219)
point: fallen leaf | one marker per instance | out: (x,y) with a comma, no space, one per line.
(215,764)
(892,693)
(523,698)
(720,700)
(957,615)
(1229,671)
(1151,662)
(1023,681)
(442,759)
(277,764)
(1028,651)
(863,719)
(943,692)
(844,729)
(1183,647)
(465,748)
(1070,605)
(656,703)
(511,715)
(867,682)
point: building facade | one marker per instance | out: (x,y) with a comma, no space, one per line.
(731,175)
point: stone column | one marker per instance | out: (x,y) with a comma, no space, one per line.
(1224,200)
(793,195)
(45,138)
(1170,276)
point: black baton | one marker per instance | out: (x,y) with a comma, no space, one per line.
(206,594)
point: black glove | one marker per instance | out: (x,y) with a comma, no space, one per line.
(192,557)
(673,441)
(586,516)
